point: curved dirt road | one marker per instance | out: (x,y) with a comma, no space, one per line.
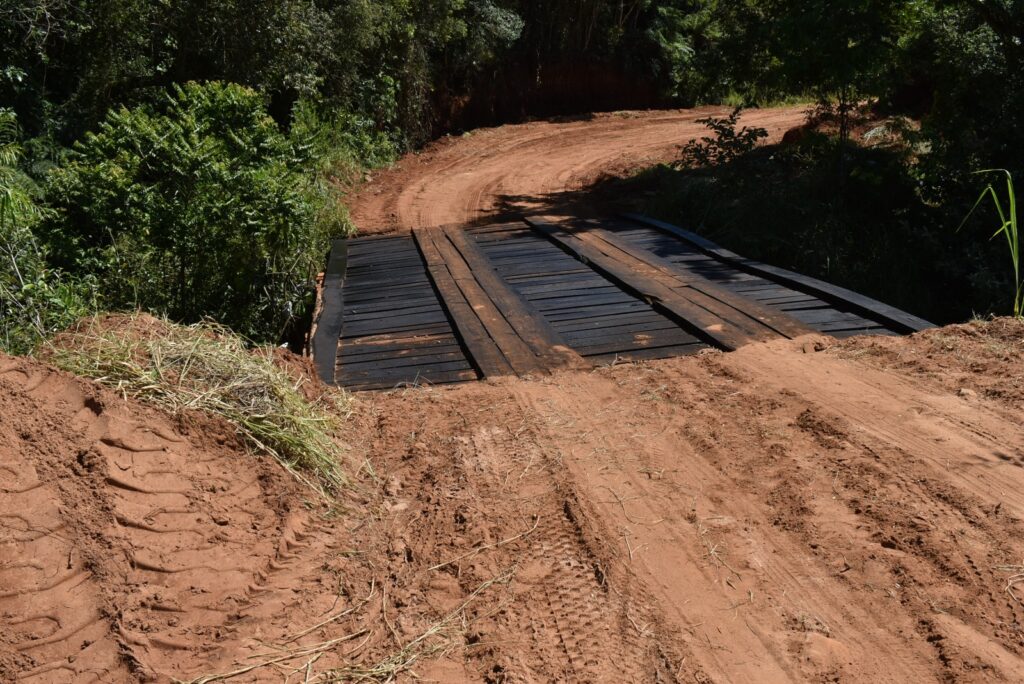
(799,511)
(470,178)
(796,511)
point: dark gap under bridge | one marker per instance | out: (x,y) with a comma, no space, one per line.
(452,304)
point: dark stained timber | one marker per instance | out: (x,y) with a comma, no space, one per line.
(393,330)
(449,305)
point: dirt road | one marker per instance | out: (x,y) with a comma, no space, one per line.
(799,511)
(469,178)
(806,510)
(778,514)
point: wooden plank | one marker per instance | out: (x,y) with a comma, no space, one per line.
(398,373)
(350,366)
(437,379)
(726,334)
(651,354)
(379,313)
(392,293)
(634,340)
(387,260)
(900,321)
(363,327)
(566,316)
(573,290)
(386,344)
(436,329)
(400,369)
(350,356)
(614,321)
(486,355)
(628,331)
(519,356)
(544,342)
(554,304)
(781,323)
(617,346)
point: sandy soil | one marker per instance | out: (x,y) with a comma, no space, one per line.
(539,165)
(794,511)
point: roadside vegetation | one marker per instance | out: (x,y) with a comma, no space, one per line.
(204,367)
(191,159)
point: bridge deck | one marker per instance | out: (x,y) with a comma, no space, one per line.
(450,305)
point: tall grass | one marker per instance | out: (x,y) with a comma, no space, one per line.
(205,367)
(1009,228)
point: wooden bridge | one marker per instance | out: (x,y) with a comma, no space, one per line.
(455,304)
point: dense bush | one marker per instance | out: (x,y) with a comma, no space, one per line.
(35,301)
(196,206)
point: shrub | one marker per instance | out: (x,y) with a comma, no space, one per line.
(1009,228)
(727,143)
(195,207)
(342,146)
(34,301)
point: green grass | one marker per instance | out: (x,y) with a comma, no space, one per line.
(1008,228)
(206,368)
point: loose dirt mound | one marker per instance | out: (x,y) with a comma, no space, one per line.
(134,547)
(789,512)
(535,166)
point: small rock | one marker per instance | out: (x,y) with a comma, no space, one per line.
(967,393)
(393,486)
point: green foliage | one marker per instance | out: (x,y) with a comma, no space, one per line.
(1009,227)
(727,144)
(196,206)
(341,147)
(34,301)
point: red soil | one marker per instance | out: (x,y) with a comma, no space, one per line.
(793,511)
(798,511)
(535,165)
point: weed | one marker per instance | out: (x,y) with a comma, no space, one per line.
(1008,228)
(727,145)
(205,367)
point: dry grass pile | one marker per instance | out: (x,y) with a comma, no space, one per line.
(204,367)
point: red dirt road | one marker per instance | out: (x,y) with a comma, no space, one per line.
(470,178)
(806,510)
(790,512)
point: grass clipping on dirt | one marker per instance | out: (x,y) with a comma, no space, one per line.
(205,367)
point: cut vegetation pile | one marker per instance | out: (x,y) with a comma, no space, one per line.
(204,367)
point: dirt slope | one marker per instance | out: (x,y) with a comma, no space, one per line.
(134,547)
(539,164)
